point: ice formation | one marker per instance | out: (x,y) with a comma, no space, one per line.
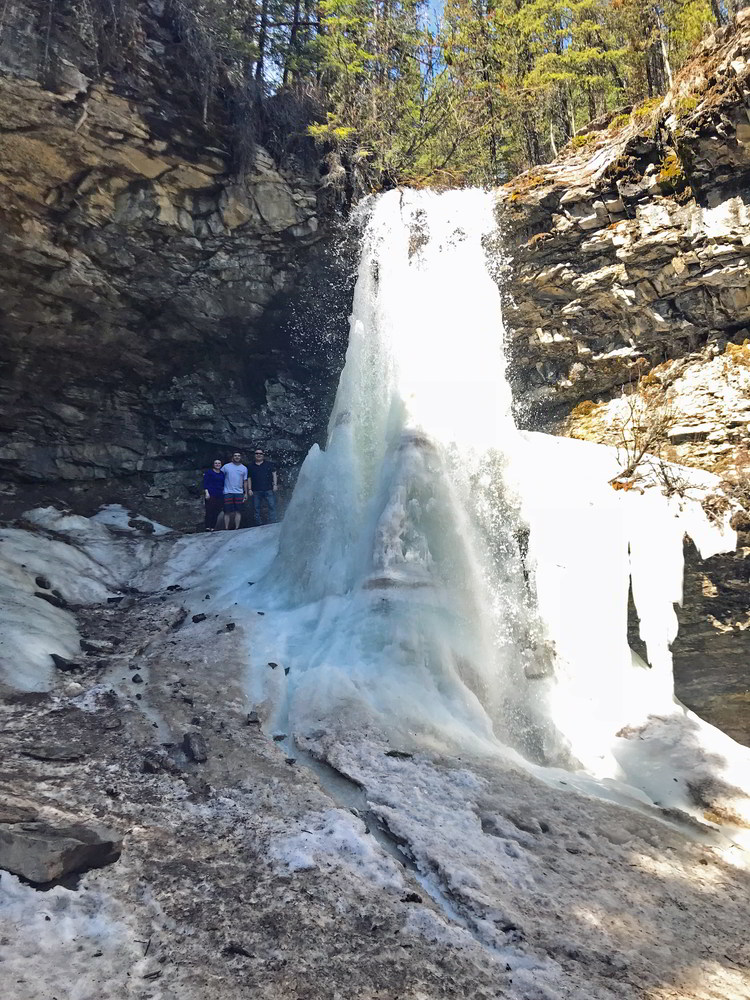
(447,578)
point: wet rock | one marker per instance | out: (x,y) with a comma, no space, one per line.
(97,646)
(43,852)
(55,599)
(12,813)
(741,521)
(199,618)
(278,737)
(271,663)
(230,626)
(411,897)
(42,582)
(195,747)
(399,754)
(234,948)
(56,752)
(136,176)
(64,664)
(137,679)
(159,762)
(179,618)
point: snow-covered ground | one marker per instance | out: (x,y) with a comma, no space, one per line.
(531,874)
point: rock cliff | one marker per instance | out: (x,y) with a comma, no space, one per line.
(631,249)
(146,277)
(626,271)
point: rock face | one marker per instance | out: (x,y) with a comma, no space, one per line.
(626,265)
(632,250)
(144,277)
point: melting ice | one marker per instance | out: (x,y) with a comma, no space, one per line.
(442,575)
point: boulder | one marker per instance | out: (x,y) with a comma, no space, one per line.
(195,747)
(45,852)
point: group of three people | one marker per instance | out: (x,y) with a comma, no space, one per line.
(226,487)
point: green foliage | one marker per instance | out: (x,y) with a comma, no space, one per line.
(685,105)
(493,89)
(646,108)
(619,122)
(671,172)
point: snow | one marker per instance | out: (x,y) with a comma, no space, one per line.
(32,628)
(521,863)
(86,933)
(117,516)
(335,837)
(86,562)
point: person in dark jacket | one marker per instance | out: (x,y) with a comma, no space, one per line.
(213,493)
(263,485)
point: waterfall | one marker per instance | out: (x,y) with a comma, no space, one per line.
(443,576)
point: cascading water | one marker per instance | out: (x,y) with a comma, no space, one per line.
(444,577)
(403,527)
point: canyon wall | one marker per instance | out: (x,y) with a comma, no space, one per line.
(159,301)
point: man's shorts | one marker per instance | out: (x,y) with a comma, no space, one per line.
(233,503)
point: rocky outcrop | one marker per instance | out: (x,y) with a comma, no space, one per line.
(631,249)
(145,278)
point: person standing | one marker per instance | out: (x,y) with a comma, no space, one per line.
(263,485)
(235,490)
(213,493)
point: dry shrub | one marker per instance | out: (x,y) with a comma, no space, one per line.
(641,435)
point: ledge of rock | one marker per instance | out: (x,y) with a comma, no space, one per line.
(145,278)
(625,264)
(42,852)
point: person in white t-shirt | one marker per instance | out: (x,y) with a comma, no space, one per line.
(235,490)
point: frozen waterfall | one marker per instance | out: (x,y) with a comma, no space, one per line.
(445,577)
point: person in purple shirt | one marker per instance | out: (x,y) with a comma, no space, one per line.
(213,493)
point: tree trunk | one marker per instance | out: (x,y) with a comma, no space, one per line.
(718,13)
(665,54)
(262,34)
(531,137)
(291,52)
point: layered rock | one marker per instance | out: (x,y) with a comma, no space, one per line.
(631,249)
(139,265)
